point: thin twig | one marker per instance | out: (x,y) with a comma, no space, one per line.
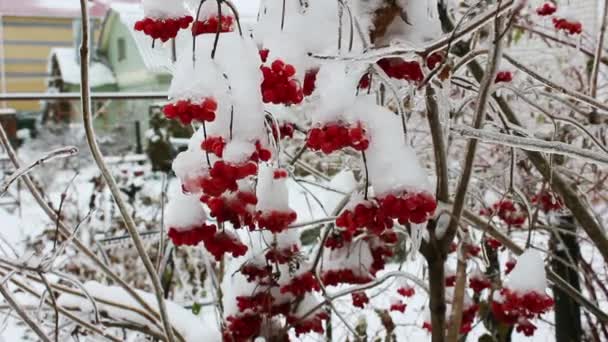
(98,157)
(59,153)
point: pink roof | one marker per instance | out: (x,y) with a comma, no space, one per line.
(54,8)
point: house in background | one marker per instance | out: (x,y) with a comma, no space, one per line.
(126,62)
(64,76)
(29,30)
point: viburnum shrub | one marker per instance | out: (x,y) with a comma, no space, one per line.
(271,110)
(523,296)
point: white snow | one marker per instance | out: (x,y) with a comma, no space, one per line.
(528,274)
(99,73)
(184,212)
(192,328)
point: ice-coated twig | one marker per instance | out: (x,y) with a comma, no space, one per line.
(103,168)
(8,296)
(398,50)
(63,229)
(599,48)
(530,144)
(572,93)
(60,153)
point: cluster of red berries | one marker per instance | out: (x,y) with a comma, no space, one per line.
(399,306)
(343,276)
(238,210)
(360,299)
(213,25)
(191,237)
(380,253)
(242,328)
(400,69)
(406,291)
(186,111)
(450,280)
(468,317)
(279,85)
(286,129)
(214,145)
(472,250)
(518,307)
(510,265)
(224,176)
(366,215)
(479,282)
(310,81)
(365,81)
(264,54)
(507,211)
(526,327)
(503,76)
(222,243)
(163,29)
(571,27)
(412,207)
(276,221)
(313,324)
(336,136)
(546,9)
(434,60)
(260,154)
(548,201)
(302,284)
(493,243)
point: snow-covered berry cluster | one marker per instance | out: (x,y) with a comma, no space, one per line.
(163,29)
(567,25)
(548,201)
(212,25)
(523,296)
(336,136)
(400,69)
(186,111)
(545,9)
(503,77)
(280,85)
(510,213)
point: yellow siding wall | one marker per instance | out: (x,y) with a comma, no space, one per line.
(27,45)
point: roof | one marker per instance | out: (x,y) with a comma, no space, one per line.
(158,59)
(54,8)
(99,73)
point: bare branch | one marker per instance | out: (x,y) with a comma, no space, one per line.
(60,153)
(98,157)
(530,144)
(24,316)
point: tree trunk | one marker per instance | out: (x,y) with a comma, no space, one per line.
(565,248)
(437,297)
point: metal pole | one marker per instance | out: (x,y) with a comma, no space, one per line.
(76,96)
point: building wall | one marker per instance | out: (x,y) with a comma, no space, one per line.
(26,44)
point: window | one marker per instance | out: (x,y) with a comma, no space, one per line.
(122,49)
